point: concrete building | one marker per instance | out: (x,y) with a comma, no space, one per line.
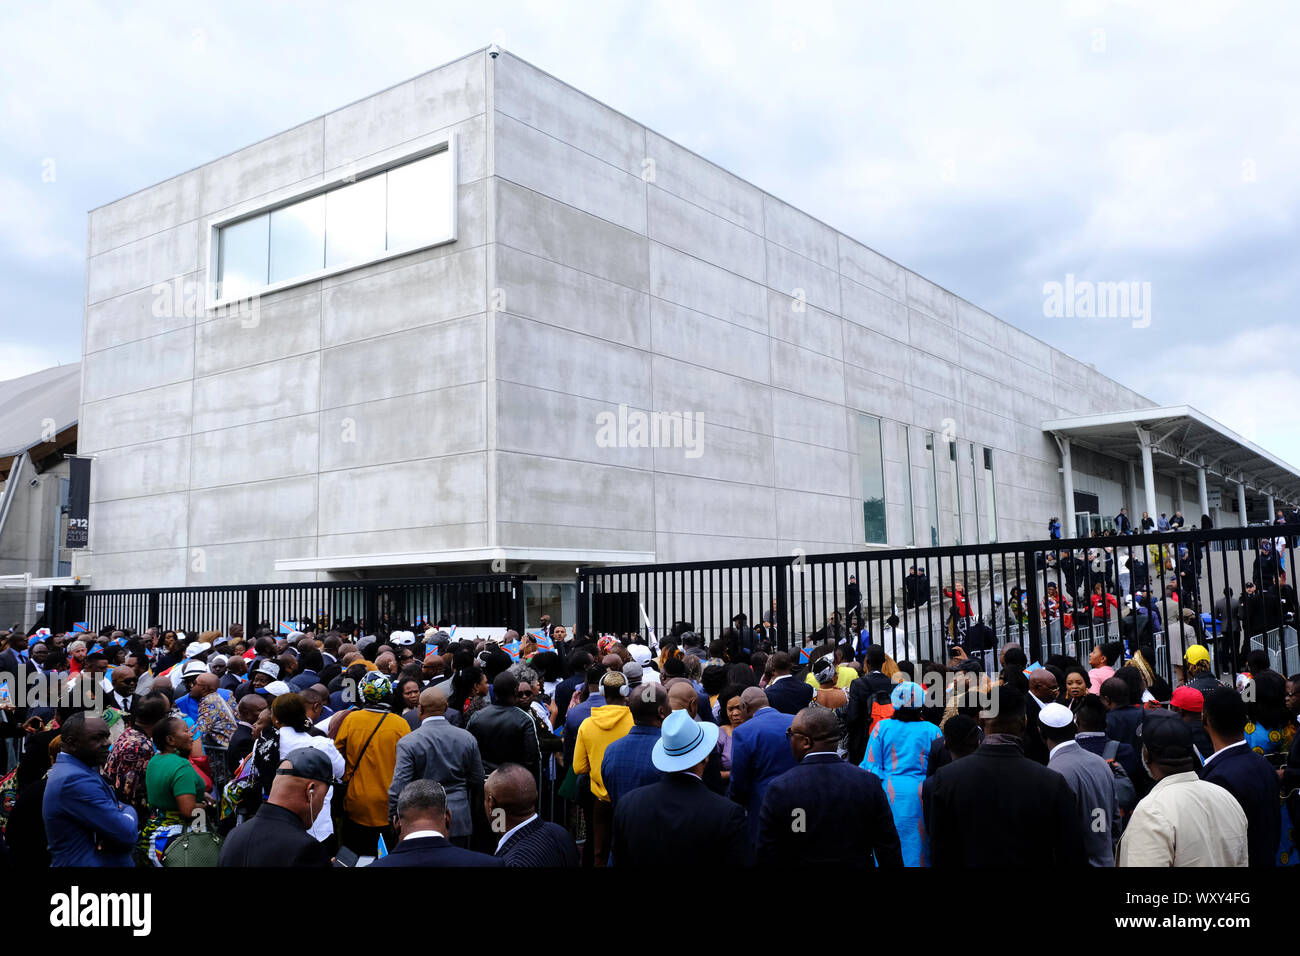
(279,383)
(38,430)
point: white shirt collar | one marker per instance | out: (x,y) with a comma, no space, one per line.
(1064,743)
(506,836)
(417,834)
(1239,743)
(777,678)
(433,717)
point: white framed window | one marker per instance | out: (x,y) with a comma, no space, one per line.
(389,210)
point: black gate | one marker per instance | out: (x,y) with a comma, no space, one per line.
(1052,597)
(493,600)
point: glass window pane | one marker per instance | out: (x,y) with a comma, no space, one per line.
(990,497)
(298,239)
(954,482)
(909,536)
(354,221)
(871,461)
(419,202)
(242,258)
(932,489)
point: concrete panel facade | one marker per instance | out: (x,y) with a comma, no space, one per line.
(514,389)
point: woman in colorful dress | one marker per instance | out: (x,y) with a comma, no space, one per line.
(898,752)
(175,789)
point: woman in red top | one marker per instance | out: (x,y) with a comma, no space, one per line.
(1103,604)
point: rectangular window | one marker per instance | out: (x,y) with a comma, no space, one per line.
(871,461)
(990,497)
(909,519)
(932,489)
(388,212)
(954,483)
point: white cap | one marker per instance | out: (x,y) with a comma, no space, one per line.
(270,668)
(293,637)
(197,648)
(640,653)
(1055,715)
(278,687)
(402,638)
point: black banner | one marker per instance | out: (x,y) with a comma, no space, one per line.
(79,503)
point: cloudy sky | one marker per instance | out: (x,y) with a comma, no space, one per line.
(992,147)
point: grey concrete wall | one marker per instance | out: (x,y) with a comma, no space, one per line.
(449,399)
(351,418)
(634,272)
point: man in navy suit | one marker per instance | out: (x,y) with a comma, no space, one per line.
(510,799)
(678,821)
(422,826)
(786,694)
(760,752)
(825,810)
(1243,773)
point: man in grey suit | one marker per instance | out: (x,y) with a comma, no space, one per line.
(1090,779)
(443,753)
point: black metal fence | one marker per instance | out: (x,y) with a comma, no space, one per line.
(494,600)
(1052,597)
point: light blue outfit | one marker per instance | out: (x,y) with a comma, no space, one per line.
(898,753)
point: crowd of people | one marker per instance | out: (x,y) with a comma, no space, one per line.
(318,748)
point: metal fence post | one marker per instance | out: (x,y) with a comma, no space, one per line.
(1032,614)
(782,631)
(153,616)
(584,612)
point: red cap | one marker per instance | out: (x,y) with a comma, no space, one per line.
(1188,698)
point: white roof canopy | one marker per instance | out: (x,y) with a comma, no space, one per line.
(1182,440)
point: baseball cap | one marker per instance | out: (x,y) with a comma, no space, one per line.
(633,672)
(278,687)
(270,668)
(1166,738)
(308,763)
(1197,653)
(197,648)
(402,638)
(640,653)
(1188,698)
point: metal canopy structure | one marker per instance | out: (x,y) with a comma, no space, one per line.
(1186,444)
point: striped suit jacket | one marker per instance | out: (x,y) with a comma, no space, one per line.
(539,844)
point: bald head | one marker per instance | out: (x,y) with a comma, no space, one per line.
(510,792)
(1042,684)
(250,707)
(649,705)
(682,696)
(204,685)
(433,703)
(820,725)
(754,700)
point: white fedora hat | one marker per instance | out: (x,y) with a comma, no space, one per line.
(683,742)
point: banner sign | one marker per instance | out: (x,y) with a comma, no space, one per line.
(79,503)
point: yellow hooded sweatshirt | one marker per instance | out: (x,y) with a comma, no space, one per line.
(605,725)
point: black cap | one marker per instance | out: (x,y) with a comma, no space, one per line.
(308,763)
(1166,737)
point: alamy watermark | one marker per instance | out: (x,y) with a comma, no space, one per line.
(633,428)
(1085,299)
(188,299)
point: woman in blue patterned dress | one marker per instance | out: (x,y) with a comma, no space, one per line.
(898,752)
